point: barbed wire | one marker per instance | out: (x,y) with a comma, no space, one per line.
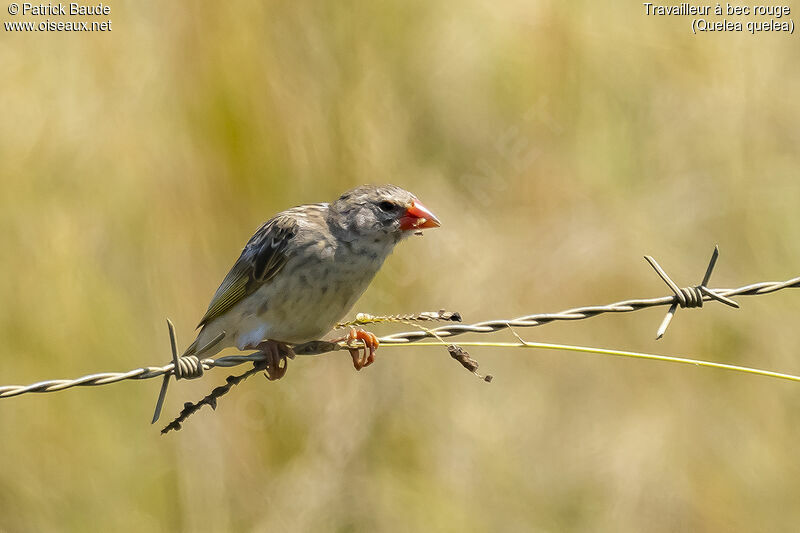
(106,378)
(686,297)
(580,313)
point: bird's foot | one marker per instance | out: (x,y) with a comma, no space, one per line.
(276,353)
(362,355)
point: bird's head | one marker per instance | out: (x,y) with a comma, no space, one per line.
(381,212)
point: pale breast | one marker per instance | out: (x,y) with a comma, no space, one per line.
(313,292)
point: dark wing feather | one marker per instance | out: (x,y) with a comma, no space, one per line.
(262,258)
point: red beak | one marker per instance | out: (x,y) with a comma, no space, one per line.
(418,217)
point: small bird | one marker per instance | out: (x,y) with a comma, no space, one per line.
(303,270)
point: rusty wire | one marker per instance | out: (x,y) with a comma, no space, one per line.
(691,297)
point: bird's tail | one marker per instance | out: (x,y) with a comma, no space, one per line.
(191,350)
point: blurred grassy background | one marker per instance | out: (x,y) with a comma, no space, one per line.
(557,141)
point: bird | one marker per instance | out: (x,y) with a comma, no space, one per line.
(302,271)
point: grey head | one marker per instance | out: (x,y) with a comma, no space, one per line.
(381,213)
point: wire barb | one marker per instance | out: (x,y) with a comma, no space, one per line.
(184,367)
(688,297)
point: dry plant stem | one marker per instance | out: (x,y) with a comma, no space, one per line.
(620,353)
(211,400)
(363,319)
(463,357)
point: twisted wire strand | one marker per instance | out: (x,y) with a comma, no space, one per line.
(580,313)
(104,378)
(319,347)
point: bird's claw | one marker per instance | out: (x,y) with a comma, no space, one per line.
(362,355)
(276,354)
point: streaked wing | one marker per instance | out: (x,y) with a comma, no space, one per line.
(262,258)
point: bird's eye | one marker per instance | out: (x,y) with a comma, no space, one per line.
(386,206)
